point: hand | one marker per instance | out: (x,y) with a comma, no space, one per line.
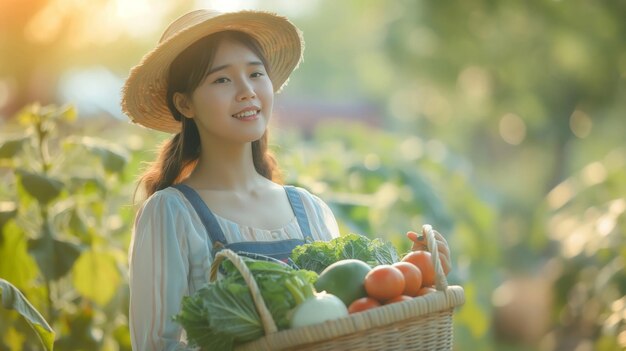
(419,243)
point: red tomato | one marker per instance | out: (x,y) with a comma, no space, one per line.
(426,290)
(423,261)
(412,277)
(363,304)
(384,282)
(399,299)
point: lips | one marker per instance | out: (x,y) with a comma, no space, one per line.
(246,114)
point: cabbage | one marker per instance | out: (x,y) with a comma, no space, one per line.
(222,313)
(318,255)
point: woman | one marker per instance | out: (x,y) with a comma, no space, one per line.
(211,81)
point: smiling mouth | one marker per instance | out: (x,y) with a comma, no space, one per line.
(246,114)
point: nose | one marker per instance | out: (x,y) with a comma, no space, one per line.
(246,91)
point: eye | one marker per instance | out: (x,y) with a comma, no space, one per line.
(221,80)
(257,74)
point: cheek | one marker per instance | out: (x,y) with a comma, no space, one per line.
(205,101)
(268,92)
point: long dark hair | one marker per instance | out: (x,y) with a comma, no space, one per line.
(179,155)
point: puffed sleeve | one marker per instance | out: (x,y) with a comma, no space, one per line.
(159,271)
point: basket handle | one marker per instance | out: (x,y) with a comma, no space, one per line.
(441,282)
(269,326)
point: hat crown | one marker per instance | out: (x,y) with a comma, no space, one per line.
(186,21)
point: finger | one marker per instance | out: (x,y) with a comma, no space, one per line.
(413,236)
(419,244)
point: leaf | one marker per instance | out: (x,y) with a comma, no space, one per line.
(96,276)
(10,148)
(234,314)
(113,157)
(41,187)
(16,265)
(13,299)
(77,225)
(8,210)
(54,257)
(29,115)
(87,184)
(67,113)
(194,318)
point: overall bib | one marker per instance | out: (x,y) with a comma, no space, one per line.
(279,249)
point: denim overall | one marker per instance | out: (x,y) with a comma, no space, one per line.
(279,250)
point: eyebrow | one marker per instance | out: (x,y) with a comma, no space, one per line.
(222,67)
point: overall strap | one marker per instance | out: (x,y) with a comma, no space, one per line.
(206,216)
(298,209)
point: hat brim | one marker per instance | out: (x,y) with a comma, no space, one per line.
(145,91)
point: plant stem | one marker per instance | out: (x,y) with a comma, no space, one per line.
(43,211)
(295,292)
(51,314)
(43,148)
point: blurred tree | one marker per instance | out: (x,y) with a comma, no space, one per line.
(528,74)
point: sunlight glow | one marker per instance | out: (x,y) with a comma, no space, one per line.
(560,195)
(227,5)
(475,82)
(412,148)
(561,225)
(512,129)
(593,174)
(46,25)
(606,224)
(580,123)
(372,162)
(386,195)
(575,243)
(85,23)
(618,207)
(7,206)
(287,8)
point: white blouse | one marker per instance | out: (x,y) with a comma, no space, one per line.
(169,258)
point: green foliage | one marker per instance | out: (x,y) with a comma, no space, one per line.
(13,299)
(56,240)
(586,216)
(316,256)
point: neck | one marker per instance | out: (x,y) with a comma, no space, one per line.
(225,167)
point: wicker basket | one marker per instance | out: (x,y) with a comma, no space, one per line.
(423,323)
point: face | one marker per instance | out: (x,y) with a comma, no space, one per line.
(234,102)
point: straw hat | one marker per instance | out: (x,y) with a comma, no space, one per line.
(145,90)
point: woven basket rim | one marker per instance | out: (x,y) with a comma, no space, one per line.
(378,317)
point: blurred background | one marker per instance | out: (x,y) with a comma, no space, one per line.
(502,124)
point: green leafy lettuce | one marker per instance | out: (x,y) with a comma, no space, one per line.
(222,314)
(317,255)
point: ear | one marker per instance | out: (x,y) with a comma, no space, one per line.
(183,105)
